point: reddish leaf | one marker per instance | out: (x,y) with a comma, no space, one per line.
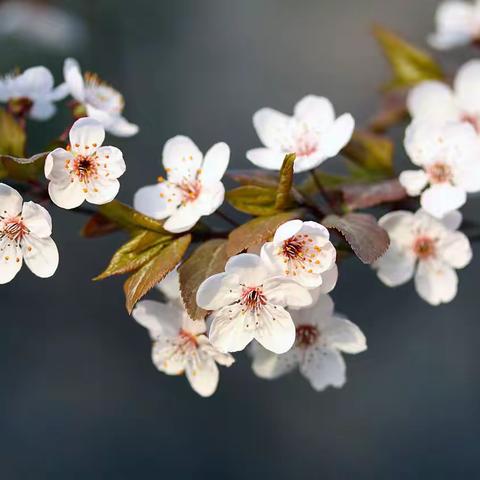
(98,225)
(365,195)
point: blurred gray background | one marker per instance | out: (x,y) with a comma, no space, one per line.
(79,396)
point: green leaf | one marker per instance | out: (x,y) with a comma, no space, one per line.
(259,178)
(135,253)
(410,65)
(154,271)
(12,136)
(368,240)
(128,218)
(253,200)
(257,231)
(283,199)
(207,260)
(372,153)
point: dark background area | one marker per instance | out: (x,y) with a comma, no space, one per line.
(79,396)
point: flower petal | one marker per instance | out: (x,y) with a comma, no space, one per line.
(285,292)
(153,200)
(217,291)
(271,127)
(266,158)
(287,230)
(37,219)
(466,86)
(324,367)
(316,112)
(275,330)
(181,158)
(396,266)
(215,163)
(432,99)
(86,135)
(344,335)
(270,365)
(442,198)
(167,357)
(183,218)
(66,195)
(10,201)
(455,250)
(413,181)
(102,190)
(248,267)
(210,198)
(338,135)
(73,78)
(111,162)
(56,165)
(42,110)
(436,282)
(35,82)
(203,376)
(121,127)
(161,319)
(10,260)
(452,220)
(40,255)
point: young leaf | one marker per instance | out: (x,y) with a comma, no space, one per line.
(98,225)
(285,182)
(154,271)
(207,260)
(12,136)
(259,178)
(135,253)
(410,65)
(368,240)
(253,200)
(372,153)
(128,218)
(366,195)
(257,231)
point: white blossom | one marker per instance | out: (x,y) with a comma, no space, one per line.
(86,170)
(180,345)
(437,101)
(448,155)
(100,100)
(428,249)
(193,186)
(300,250)
(321,336)
(457,23)
(248,303)
(313,134)
(25,235)
(33,91)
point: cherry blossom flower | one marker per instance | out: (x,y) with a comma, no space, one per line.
(101,101)
(433,100)
(180,344)
(300,250)
(321,336)
(25,235)
(313,133)
(457,24)
(449,157)
(32,92)
(248,303)
(86,171)
(192,188)
(427,249)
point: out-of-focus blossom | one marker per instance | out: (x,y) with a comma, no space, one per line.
(86,171)
(32,92)
(301,251)
(313,134)
(321,336)
(25,235)
(426,248)
(101,101)
(457,23)
(437,101)
(448,155)
(41,25)
(179,343)
(248,303)
(193,186)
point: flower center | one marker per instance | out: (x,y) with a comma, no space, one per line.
(293,248)
(253,298)
(84,167)
(473,120)
(299,252)
(307,335)
(190,190)
(305,146)
(424,247)
(439,173)
(188,340)
(14,229)
(101,95)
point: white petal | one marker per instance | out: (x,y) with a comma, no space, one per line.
(42,110)
(37,219)
(318,313)
(203,376)
(452,220)
(183,218)
(121,127)
(55,165)
(248,267)
(447,40)
(455,250)
(161,319)
(102,191)
(152,200)
(323,367)
(40,255)
(59,92)
(170,285)
(86,135)
(399,226)
(440,199)
(10,260)
(215,163)
(467,173)
(432,98)
(344,335)
(316,112)
(73,78)
(287,230)
(329,280)
(167,357)
(66,195)
(217,291)
(271,127)
(396,266)
(111,162)
(413,181)
(266,158)
(283,291)
(270,365)
(35,82)
(181,158)
(467,87)
(338,135)
(275,330)
(436,282)
(10,201)
(210,198)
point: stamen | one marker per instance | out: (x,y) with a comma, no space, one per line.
(14,229)
(307,335)
(440,173)
(424,247)
(253,298)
